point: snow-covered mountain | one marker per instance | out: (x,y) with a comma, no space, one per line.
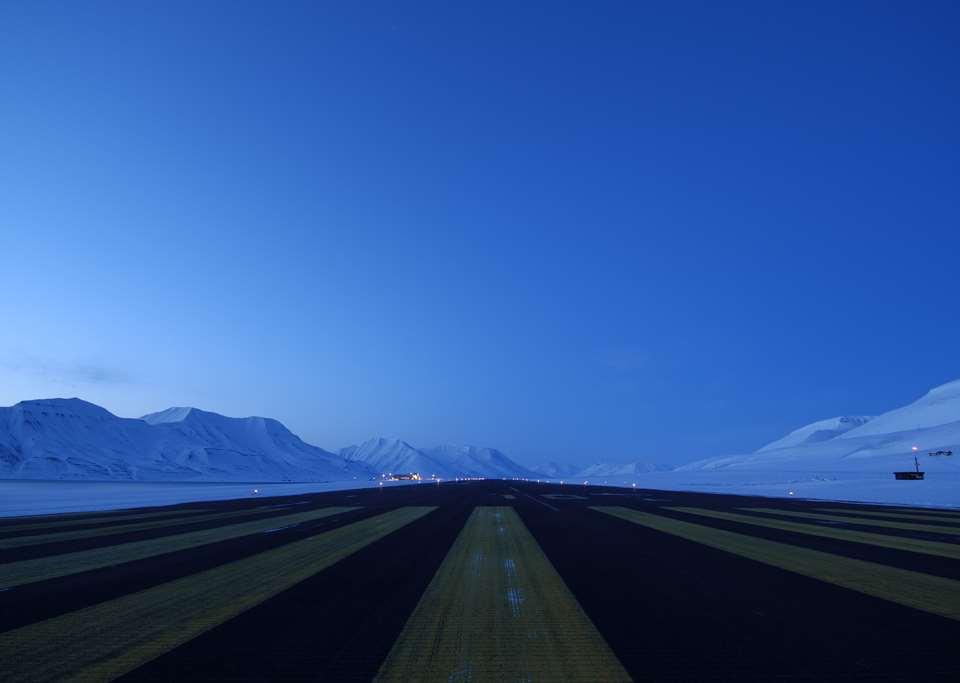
(823,430)
(617,470)
(939,406)
(882,444)
(556,470)
(73,439)
(485,462)
(386,456)
(599,470)
(446,462)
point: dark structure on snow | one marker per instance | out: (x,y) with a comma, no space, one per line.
(911,475)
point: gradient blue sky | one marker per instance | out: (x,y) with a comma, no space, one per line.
(585,231)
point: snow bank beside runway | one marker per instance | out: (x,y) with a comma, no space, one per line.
(940,490)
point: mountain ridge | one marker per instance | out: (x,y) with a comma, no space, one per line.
(74,439)
(881,443)
(446,461)
(821,430)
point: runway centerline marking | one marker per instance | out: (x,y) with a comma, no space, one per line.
(498,610)
(115,637)
(933,594)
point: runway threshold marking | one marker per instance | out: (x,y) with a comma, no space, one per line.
(913,545)
(498,610)
(60,536)
(69,523)
(862,521)
(933,594)
(914,516)
(54,566)
(108,640)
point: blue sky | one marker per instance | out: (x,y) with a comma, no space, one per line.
(584,231)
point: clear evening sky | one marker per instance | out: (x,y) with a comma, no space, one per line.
(580,231)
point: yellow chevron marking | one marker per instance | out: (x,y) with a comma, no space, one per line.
(108,640)
(862,521)
(933,594)
(43,568)
(913,545)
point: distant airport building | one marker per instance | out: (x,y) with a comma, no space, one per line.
(404,476)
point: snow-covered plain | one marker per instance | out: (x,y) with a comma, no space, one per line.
(941,490)
(18,498)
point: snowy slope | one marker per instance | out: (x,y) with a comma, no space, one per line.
(816,432)
(940,406)
(389,456)
(881,444)
(67,438)
(244,447)
(73,439)
(176,414)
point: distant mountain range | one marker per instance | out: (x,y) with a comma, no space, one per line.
(630,469)
(863,443)
(386,456)
(556,470)
(73,439)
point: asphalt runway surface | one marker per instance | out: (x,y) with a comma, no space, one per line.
(484,580)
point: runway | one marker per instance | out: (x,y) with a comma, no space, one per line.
(483,580)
